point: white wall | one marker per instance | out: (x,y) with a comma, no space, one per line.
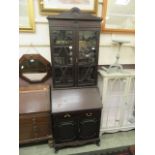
(107,51)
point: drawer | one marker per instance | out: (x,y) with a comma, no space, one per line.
(25,119)
(63,116)
(44,129)
(35,118)
(34,126)
(25,132)
(90,114)
(38,118)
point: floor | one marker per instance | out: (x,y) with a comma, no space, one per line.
(108,141)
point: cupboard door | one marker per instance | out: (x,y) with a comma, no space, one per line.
(65,131)
(63,58)
(113,104)
(87,57)
(88,128)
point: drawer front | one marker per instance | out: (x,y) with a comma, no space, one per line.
(40,118)
(63,117)
(44,129)
(90,114)
(34,126)
(25,129)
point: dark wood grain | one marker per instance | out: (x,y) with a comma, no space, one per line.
(75,14)
(65,100)
(34,99)
(35,116)
(76,116)
(74,21)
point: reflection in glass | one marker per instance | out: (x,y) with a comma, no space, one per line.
(63,49)
(33,68)
(86,75)
(64,76)
(120,14)
(63,55)
(24,14)
(62,37)
(32,65)
(87,46)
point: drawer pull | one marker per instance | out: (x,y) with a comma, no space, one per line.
(89,114)
(67,115)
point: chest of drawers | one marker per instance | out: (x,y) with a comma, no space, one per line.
(35,117)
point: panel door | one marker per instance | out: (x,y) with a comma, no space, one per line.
(63,57)
(113,104)
(65,131)
(89,123)
(87,57)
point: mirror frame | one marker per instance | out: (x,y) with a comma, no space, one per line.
(31,27)
(27,57)
(110,30)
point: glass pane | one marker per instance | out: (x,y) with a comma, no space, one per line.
(23,14)
(62,37)
(64,76)
(120,14)
(86,75)
(87,46)
(63,55)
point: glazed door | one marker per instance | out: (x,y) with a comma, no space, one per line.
(87,57)
(63,58)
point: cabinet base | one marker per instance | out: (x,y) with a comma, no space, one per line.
(37,140)
(76,143)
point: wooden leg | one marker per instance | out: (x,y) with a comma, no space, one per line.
(50,143)
(98,143)
(56,150)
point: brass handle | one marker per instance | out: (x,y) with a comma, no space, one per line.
(89,114)
(67,115)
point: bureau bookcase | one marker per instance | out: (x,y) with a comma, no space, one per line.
(74,40)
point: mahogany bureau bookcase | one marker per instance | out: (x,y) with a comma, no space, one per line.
(35,116)
(74,43)
(76,116)
(76,110)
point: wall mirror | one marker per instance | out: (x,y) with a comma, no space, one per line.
(26,16)
(118,16)
(34,68)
